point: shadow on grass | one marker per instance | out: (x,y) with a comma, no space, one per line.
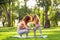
(8,29)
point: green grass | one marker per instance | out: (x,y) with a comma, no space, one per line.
(6,33)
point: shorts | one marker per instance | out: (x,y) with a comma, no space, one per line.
(23,31)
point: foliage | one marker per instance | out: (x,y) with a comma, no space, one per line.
(22,12)
(9,6)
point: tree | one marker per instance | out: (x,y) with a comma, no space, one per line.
(45,4)
(6,5)
(54,12)
(23,10)
(3,4)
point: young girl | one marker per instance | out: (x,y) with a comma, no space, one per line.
(22,26)
(36,21)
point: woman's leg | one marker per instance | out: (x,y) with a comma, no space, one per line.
(24,31)
(20,35)
(26,35)
(27,31)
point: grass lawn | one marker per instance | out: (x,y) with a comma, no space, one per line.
(6,33)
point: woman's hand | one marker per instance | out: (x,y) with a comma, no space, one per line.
(34,28)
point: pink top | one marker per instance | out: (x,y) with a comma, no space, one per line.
(37,24)
(21,25)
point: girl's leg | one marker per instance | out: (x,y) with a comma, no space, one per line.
(40,30)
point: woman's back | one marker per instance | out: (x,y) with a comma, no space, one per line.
(21,25)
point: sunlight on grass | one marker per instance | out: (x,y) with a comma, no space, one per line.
(7,33)
(4,35)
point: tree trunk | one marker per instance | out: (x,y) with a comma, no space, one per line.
(43,20)
(56,23)
(8,18)
(47,22)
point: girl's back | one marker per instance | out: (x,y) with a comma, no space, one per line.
(37,24)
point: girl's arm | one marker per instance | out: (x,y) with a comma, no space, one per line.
(25,26)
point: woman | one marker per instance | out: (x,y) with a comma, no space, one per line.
(22,26)
(36,21)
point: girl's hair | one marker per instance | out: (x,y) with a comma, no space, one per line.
(26,19)
(35,17)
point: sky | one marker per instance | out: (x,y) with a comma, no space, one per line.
(30,3)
